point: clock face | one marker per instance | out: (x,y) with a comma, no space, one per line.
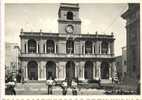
(69,28)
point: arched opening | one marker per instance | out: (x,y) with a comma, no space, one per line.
(70,15)
(32,46)
(50,46)
(70,46)
(33,70)
(88,73)
(70,70)
(105,70)
(104,47)
(50,70)
(88,47)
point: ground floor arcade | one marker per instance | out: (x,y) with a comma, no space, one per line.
(60,70)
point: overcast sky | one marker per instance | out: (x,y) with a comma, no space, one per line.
(103,18)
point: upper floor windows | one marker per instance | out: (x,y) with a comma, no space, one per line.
(88,47)
(104,47)
(70,15)
(70,46)
(32,46)
(50,46)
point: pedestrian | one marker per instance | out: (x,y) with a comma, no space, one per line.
(50,83)
(64,87)
(11,86)
(74,91)
(74,87)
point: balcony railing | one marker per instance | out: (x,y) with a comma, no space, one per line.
(51,55)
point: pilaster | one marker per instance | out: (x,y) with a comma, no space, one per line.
(81,70)
(62,70)
(25,70)
(42,70)
(98,65)
(94,70)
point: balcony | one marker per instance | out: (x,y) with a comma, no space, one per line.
(45,55)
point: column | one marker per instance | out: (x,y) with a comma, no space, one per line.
(94,70)
(97,50)
(108,47)
(98,65)
(62,70)
(23,44)
(55,47)
(100,46)
(37,46)
(39,70)
(110,74)
(25,70)
(84,47)
(77,69)
(93,47)
(57,71)
(27,46)
(42,70)
(81,70)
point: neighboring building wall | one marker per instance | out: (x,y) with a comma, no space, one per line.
(11,56)
(132,16)
(124,63)
(119,67)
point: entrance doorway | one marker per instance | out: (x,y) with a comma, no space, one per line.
(50,70)
(104,70)
(88,73)
(32,70)
(70,72)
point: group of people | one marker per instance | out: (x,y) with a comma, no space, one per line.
(10,84)
(67,83)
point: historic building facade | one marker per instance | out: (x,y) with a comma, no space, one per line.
(132,16)
(67,54)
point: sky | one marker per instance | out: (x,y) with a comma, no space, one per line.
(100,17)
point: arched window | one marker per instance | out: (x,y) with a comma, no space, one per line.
(70,15)
(50,70)
(32,46)
(70,70)
(104,47)
(70,46)
(88,73)
(50,46)
(88,47)
(105,70)
(32,70)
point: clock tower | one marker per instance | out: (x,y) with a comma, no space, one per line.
(68,19)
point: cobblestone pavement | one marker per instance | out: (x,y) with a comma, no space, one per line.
(58,91)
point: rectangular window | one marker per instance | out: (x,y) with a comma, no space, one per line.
(44,48)
(25,48)
(38,49)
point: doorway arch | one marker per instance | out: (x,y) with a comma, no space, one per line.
(105,70)
(33,70)
(70,70)
(50,70)
(88,73)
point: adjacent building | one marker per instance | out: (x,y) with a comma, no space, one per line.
(67,54)
(132,16)
(11,57)
(121,65)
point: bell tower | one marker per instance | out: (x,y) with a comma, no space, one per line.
(68,19)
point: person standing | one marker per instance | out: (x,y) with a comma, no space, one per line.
(64,87)
(50,83)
